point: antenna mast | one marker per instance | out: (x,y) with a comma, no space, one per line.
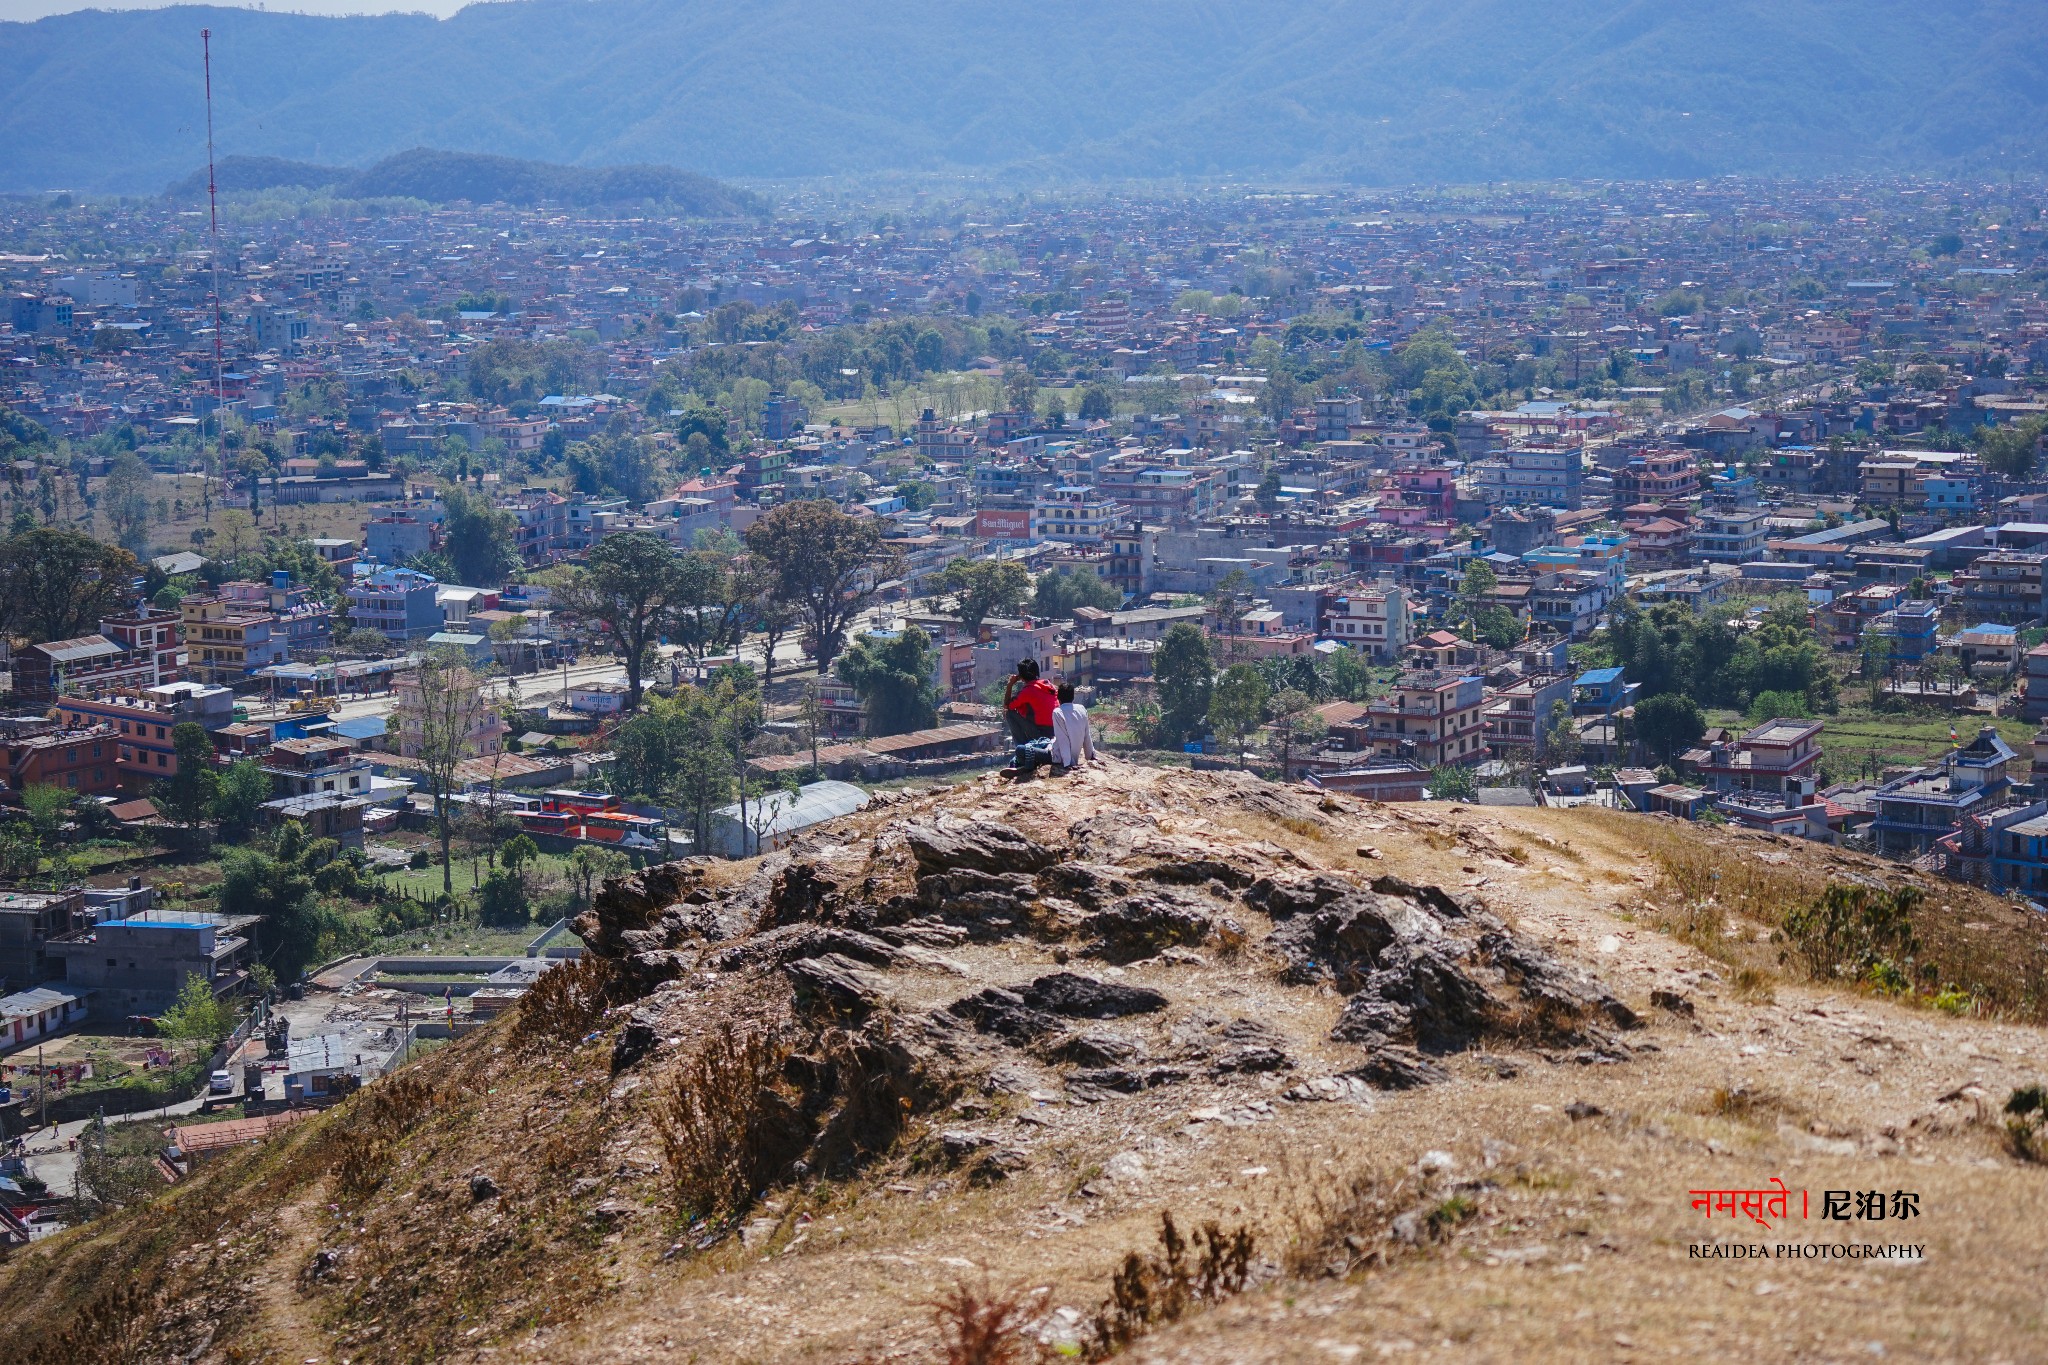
(213,211)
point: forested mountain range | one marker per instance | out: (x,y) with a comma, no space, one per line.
(1360,90)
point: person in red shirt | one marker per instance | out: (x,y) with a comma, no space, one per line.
(1028,704)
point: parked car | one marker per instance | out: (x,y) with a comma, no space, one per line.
(222,1083)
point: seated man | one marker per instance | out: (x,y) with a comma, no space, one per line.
(1028,705)
(1072,739)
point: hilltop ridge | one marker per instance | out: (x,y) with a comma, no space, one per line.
(1433,1061)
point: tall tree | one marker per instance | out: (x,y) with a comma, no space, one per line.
(894,677)
(1669,724)
(187,796)
(980,588)
(1184,675)
(125,500)
(440,712)
(824,561)
(634,580)
(480,542)
(57,584)
(1237,705)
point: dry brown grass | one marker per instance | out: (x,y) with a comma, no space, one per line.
(564,1005)
(729,1124)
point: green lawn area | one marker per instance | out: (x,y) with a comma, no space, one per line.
(426,881)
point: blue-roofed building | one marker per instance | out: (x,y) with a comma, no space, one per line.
(138,965)
(1598,691)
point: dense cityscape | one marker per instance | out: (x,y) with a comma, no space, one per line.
(385,584)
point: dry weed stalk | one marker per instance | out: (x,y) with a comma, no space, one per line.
(1149,1291)
(565,1003)
(978,1326)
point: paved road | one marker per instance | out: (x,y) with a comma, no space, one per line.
(51,1160)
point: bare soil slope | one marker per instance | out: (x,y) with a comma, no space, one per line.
(1435,1060)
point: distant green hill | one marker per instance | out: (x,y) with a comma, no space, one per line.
(1363,90)
(443,177)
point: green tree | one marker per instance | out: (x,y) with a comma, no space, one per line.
(590,866)
(1184,676)
(980,588)
(1237,705)
(240,790)
(1096,405)
(1496,627)
(634,581)
(825,562)
(279,892)
(197,1016)
(1060,591)
(1453,782)
(1267,494)
(1670,724)
(58,584)
(186,797)
(2012,449)
(895,677)
(480,541)
(1560,736)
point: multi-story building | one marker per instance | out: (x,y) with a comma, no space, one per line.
(303,767)
(1430,717)
(1926,805)
(486,735)
(1374,620)
(1079,516)
(402,603)
(29,920)
(399,537)
(1658,476)
(1733,535)
(82,761)
(1518,716)
(1548,474)
(1173,497)
(2034,686)
(227,641)
(143,722)
(90,666)
(2004,585)
(154,633)
(1909,630)
(1778,756)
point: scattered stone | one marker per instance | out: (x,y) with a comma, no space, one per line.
(834,985)
(1579,1110)
(1078,997)
(1142,926)
(1092,1049)
(1127,1080)
(1005,1014)
(1399,1068)
(1671,1002)
(959,1144)
(635,1041)
(482,1187)
(1341,1087)
(951,843)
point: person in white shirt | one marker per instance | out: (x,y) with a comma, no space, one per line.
(1071,740)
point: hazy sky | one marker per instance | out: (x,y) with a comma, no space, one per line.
(37,9)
